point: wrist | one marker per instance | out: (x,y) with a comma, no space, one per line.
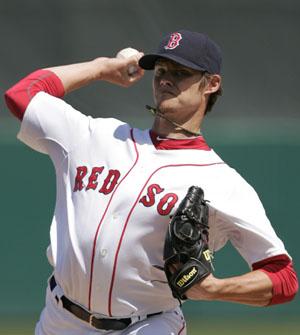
(212,286)
(207,289)
(100,65)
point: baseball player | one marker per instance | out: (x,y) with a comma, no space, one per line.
(118,186)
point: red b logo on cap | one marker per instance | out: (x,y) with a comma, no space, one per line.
(173,41)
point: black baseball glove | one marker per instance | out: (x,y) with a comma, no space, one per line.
(186,254)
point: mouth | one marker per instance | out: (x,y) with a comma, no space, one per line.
(166,92)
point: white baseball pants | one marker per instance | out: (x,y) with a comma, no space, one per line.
(55,320)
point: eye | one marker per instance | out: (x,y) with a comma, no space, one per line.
(181,73)
(159,71)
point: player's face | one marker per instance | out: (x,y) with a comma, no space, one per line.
(176,88)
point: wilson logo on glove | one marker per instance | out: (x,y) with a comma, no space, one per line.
(208,255)
(187,278)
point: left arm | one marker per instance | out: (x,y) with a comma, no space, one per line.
(242,219)
(253,288)
(188,260)
(273,281)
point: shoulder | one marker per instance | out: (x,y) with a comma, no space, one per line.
(110,122)
(228,184)
(234,195)
(50,106)
(228,174)
(110,126)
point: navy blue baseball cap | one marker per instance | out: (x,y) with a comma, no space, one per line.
(188,48)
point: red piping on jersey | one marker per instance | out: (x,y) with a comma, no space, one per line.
(127,220)
(182,328)
(100,223)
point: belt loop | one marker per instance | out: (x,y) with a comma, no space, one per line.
(137,318)
(91,319)
(57,292)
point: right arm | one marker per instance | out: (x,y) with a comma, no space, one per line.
(113,70)
(61,80)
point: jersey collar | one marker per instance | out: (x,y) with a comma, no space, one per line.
(161,143)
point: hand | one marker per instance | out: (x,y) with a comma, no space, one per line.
(204,290)
(115,70)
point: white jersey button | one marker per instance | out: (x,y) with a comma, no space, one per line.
(103,252)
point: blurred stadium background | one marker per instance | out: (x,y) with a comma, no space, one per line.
(255,127)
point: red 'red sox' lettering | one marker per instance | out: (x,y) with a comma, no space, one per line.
(149,199)
(81,173)
(93,177)
(86,180)
(110,181)
(91,183)
(165,204)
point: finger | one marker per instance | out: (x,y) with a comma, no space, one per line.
(136,76)
(133,67)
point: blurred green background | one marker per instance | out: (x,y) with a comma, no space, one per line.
(255,127)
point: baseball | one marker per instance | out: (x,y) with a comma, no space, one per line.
(126,53)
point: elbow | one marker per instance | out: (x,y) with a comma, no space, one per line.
(13,104)
(282,299)
(8,97)
(18,97)
(295,289)
(285,288)
(283,276)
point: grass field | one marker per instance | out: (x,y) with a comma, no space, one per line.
(211,327)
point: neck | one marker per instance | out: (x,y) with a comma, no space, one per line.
(163,128)
(168,128)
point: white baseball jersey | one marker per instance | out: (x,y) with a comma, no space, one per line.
(115,193)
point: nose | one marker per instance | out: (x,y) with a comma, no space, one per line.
(166,79)
(165,82)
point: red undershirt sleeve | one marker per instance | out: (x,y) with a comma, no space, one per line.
(283,276)
(19,96)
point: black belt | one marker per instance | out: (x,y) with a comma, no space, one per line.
(83,314)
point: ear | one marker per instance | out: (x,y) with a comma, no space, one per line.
(213,85)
